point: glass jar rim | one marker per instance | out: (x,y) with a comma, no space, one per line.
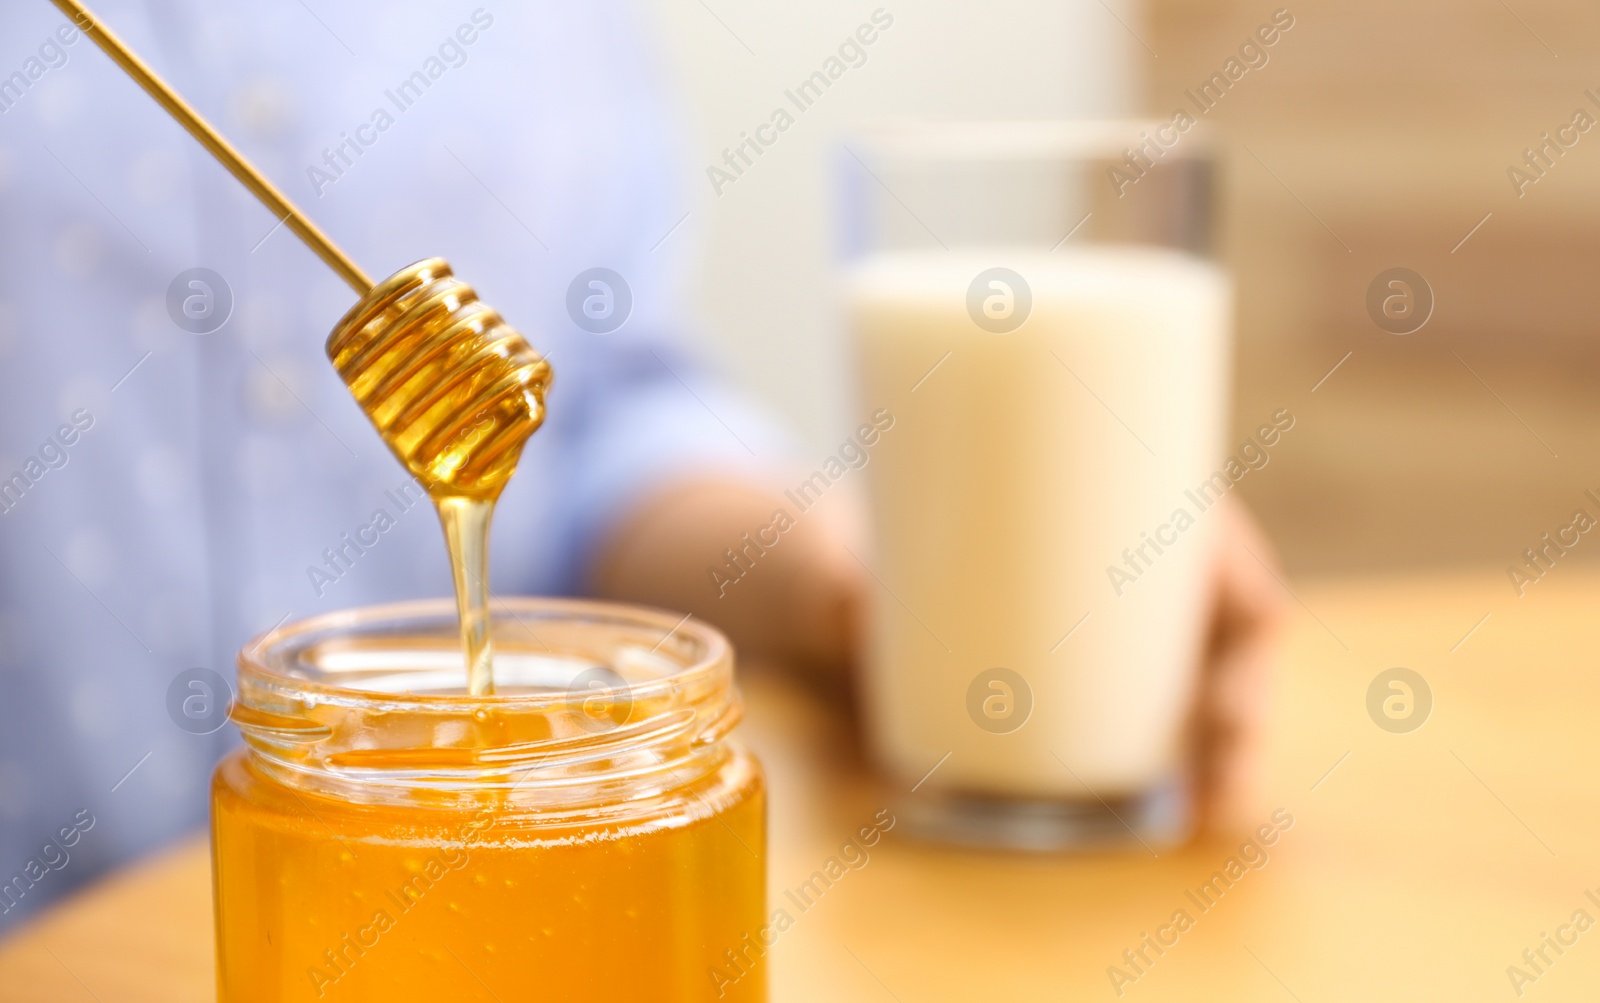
(911,139)
(256,660)
(616,703)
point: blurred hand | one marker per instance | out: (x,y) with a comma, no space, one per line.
(798,602)
(801,603)
(1242,649)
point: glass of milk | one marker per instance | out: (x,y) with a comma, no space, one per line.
(1036,306)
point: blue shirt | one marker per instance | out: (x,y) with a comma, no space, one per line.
(176,489)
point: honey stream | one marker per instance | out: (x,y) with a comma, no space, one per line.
(466,532)
(455,392)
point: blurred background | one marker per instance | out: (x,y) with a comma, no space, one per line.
(1372,137)
(1376,136)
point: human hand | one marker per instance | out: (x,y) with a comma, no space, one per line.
(1242,648)
(796,603)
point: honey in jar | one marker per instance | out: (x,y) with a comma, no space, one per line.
(591,831)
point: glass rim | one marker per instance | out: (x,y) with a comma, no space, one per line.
(981,140)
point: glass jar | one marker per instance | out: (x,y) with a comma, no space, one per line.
(589,832)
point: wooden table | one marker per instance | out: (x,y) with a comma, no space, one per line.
(1419,868)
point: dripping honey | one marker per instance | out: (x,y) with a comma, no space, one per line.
(455,392)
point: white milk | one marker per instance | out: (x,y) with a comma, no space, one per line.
(1005,491)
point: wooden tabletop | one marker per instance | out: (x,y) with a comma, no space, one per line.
(1420,867)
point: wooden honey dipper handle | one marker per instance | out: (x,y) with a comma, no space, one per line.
(213,141)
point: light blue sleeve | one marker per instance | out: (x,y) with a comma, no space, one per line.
(564,156)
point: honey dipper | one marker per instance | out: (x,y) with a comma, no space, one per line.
(453,390)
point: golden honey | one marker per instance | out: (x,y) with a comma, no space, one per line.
(590,832)
(455,392)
